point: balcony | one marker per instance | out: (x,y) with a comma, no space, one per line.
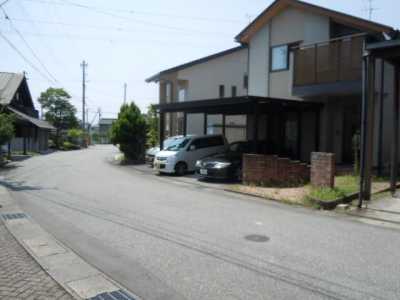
(329,68)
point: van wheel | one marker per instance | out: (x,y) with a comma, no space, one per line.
(180,169)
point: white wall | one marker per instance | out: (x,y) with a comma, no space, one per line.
(291,25)
(204,79)
(259,63)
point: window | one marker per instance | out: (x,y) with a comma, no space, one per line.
(214,124)
(207,142)
(234,91)
(182,95)
(246,81)
(280,58)
(236,128)
(221,91)
(168,92)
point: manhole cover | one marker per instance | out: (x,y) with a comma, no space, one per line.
(257,238)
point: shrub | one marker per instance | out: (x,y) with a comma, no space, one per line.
(129,132)
(67,146)
(75,136)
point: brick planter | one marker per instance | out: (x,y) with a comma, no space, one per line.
(271,170)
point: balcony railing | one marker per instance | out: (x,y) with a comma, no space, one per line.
(333,61)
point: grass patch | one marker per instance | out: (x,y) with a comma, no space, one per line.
(326,194)
(344,186)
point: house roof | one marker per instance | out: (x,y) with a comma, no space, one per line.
(38,123)
(279,5)
(9,84)
(157,76)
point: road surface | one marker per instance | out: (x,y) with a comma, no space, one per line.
(165,239)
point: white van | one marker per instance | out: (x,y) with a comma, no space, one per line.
(181,155)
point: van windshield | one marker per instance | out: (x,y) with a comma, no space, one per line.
(177,144)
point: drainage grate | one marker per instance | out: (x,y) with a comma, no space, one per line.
(116,295)
(257,238)
(14,216)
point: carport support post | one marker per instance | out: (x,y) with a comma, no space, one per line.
(184,123)
(161,129)
(367,128)
(395,132)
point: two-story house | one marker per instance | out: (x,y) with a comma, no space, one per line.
(293,86)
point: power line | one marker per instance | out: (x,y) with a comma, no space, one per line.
(137,12)
(3,3)
(24,57)
(97,27)
(115,40)
(29,47)
(107,13)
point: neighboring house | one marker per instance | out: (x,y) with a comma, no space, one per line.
(104,129)
(294,84)
(31,133)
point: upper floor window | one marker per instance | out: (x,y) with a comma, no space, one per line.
(246,81)
(280,58)
(221,91)
(182,95)
(234,91)
(168,92)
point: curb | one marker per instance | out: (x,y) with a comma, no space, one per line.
(81,280)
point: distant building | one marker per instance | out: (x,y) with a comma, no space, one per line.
(104,129)
(31,133)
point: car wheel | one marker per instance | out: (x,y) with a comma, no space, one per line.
(180,169)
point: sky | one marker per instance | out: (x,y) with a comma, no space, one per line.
(127,41)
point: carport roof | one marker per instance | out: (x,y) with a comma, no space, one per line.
(244,104)
(389,50)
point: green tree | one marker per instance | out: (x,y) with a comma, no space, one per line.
(6,130)
(129,132)
(152,126)
(59,111)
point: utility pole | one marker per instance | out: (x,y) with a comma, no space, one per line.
(84,66)
(371,9)
(99,112)
(125,86)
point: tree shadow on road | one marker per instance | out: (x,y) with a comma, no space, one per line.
(19,186)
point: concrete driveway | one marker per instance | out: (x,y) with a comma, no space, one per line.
(163,238)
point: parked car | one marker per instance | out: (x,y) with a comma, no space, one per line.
(227,165)
(151,153)
(181,155)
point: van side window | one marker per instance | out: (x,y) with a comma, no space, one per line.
(207,142)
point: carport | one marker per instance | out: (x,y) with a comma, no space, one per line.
(389,51)
(277,118)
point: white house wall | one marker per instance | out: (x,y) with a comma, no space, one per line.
(204,79)
(259,63)
(290,26)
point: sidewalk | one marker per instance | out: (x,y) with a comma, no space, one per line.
(21,277)
(384,210)
(34,265)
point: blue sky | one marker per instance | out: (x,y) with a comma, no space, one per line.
(128,41)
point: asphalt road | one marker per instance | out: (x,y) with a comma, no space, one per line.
(165,239)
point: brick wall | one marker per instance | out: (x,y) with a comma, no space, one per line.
(271,170)
(323,169)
